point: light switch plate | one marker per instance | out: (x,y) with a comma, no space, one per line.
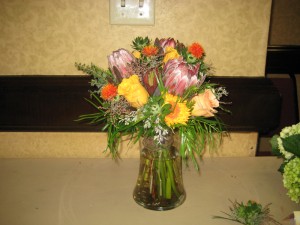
(131,12)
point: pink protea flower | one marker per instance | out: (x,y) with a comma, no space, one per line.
(119,62)
(178,76)
(169,42)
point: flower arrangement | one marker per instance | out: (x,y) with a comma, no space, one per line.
(157,89)
(251,213)
(287,146)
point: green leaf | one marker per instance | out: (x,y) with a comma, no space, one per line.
(139,43)
(281,168)
(274,144)
(292,144)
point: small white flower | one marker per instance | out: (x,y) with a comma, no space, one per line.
(157,121)
(155,109)
(219,92)
(165,132)
(147,124)
(161,134)
(129,118)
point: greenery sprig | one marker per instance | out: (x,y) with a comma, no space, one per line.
(251,213)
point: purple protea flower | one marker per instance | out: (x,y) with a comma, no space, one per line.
(119,63)
(178,76)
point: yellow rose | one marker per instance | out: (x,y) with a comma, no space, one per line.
(205,104)
(171,53)
(133,91)
(136,54)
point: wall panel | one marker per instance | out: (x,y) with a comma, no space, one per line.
(46,38)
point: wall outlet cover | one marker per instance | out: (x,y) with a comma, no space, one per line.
(131,12)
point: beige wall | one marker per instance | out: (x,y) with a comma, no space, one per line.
(92,145)
(47,37)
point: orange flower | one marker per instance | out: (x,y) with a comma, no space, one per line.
(150,50)
(205,103)
(108,91)
(196,50)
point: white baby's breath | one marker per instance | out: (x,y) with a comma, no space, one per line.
(220,91)
(129,118)
(147,124)
(161,133)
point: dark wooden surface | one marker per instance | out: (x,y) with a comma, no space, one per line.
(43,103)
(283,59)
(52,103)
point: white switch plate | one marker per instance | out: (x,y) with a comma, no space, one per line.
(131,13)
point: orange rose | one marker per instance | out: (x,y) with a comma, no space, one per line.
(205,104)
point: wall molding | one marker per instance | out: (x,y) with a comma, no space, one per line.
(52,103)
(283,59)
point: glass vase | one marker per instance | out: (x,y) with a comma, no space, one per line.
(159,184)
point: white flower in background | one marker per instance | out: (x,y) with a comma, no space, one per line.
(287,155)
(286,132)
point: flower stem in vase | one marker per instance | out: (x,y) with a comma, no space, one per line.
(159,184)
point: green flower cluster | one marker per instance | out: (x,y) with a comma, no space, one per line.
(287,146)
(291,179)
(251,213)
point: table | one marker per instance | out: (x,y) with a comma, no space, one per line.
(99,191)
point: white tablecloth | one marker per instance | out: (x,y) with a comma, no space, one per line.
(99,191)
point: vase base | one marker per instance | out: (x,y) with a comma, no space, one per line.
(159,206)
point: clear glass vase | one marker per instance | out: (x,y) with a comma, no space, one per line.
(159,185)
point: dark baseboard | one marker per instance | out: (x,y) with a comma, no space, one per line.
(283,59)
